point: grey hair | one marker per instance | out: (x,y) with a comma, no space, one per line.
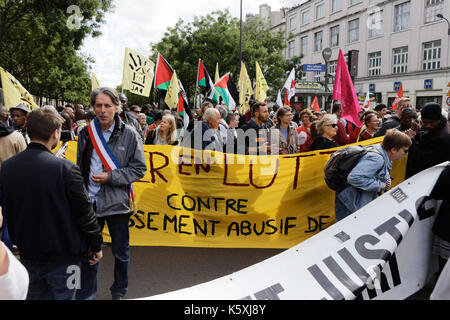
(223,112)
(109,92)
(326,120)
(210,113)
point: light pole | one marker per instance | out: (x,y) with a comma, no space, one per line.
(240,38)
(440,16)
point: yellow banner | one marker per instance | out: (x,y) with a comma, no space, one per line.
(173,91)
(14,93)
(94,82)
(138,73)
(245,89)
(232,201)
(261,85)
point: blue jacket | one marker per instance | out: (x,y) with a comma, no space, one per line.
(366,180)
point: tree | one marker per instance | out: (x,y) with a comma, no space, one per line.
(39,41)
(215,39)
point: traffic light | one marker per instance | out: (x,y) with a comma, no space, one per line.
(352,63)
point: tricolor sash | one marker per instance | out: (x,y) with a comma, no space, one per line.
(105,154)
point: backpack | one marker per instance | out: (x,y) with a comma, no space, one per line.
(341,163)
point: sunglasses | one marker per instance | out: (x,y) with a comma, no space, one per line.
(334,125)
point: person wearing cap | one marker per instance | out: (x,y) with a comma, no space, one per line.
(431,140)
(19,116)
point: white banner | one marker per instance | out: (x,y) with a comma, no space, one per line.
(382,251)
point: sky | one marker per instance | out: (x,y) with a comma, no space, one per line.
(136,23)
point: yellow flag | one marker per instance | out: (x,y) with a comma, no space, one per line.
(14,93)
(261,85)
(217,77)
(138,73)
(245,89)
(94,81)
(173,91)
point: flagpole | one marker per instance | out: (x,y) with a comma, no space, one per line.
(240,38)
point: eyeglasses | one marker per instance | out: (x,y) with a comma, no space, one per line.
(334,125)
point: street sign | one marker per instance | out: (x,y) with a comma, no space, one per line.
(326,54)
(428,84)
(372,87)
(397,85)
(314,67)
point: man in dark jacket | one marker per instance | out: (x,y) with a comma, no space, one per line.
(253,135)
(431,142)
(394,121)
(49,214)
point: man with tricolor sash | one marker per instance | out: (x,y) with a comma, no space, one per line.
(111,157)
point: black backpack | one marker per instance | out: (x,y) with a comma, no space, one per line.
(341,163)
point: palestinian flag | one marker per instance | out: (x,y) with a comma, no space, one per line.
(204,80)
(182,111)
(223,88)
(163,73)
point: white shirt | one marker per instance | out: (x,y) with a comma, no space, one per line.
(97,167)
(14,284)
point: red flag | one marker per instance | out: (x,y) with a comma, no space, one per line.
(399,95)
(344,91)
(290,84)
(315,105)
(286,99)
(163,73)
(367,101)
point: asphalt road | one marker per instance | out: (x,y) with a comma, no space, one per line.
(156,270)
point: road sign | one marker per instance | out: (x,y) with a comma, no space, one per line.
(314,67)
(326,54)
(372,87)
(397,85)
(428,84)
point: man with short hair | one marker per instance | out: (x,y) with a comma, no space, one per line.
(108,173)
(19,116)
(255,142)
(431,140)
(211,138)
(129,117)
(55,228)
(394,121)
(381,110)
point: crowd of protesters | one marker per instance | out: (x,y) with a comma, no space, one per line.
(88,196)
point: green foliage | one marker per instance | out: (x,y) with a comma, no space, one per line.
(215,39)
(41,51)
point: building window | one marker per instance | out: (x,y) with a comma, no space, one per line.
(304,45)
(374,64)
(291,49)
(353,2)
(400,60)
(334,36)
(320,11)
(376,24)
(318,36)
(353,30)
(335,5)
(332,65)
(305,17)
(401,16)
(432,8)
(432,55)
(293,23)
(318,76)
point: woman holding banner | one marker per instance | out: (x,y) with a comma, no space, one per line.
(326,128)
(165,133)
(287,134)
